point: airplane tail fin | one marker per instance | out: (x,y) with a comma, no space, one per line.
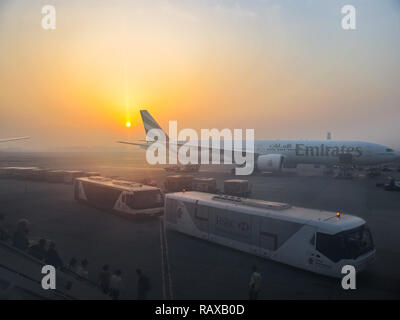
(149,122)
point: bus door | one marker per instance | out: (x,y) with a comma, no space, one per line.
(255,235)
(312,257)
(201,220)
(317,260)
(126,199)
(267,237)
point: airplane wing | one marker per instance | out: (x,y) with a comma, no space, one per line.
(13,139)
(187,144)
(142,145)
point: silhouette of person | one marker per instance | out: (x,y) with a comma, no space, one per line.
(20,236)
(82,269)
(115,285)
(104,279)
(52,257)
(3,232)
(73,265)
(254,284)
(143,285)
(38,250)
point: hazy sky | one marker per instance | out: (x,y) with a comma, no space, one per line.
(285,68)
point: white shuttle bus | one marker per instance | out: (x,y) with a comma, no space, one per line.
(124,198)
(318,241)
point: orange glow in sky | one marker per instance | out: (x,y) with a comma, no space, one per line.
(205,65)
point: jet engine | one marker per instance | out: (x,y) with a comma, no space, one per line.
(269,162)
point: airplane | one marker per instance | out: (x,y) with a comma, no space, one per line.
(13,139)
(273,155)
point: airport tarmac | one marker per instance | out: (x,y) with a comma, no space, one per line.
(198,269)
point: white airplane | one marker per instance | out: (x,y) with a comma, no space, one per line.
(273,155)
(13,139)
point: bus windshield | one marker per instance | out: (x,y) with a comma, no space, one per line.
(348,244)
(145,199)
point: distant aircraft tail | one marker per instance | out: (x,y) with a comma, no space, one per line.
(328,136)
(149,122)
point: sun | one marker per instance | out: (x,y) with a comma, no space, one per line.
(128,124)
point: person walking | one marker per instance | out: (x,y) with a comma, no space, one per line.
(143,285)
(115,285)
(254,284)
(104,279)
(82,269)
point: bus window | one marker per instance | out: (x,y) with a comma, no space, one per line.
(201,213)
(145,199)
(345,245)
(357,242)
(268,241)
(329,246)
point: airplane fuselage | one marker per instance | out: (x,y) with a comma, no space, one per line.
(326,152)
(272,155)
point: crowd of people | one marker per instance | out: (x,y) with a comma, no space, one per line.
(110,283)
